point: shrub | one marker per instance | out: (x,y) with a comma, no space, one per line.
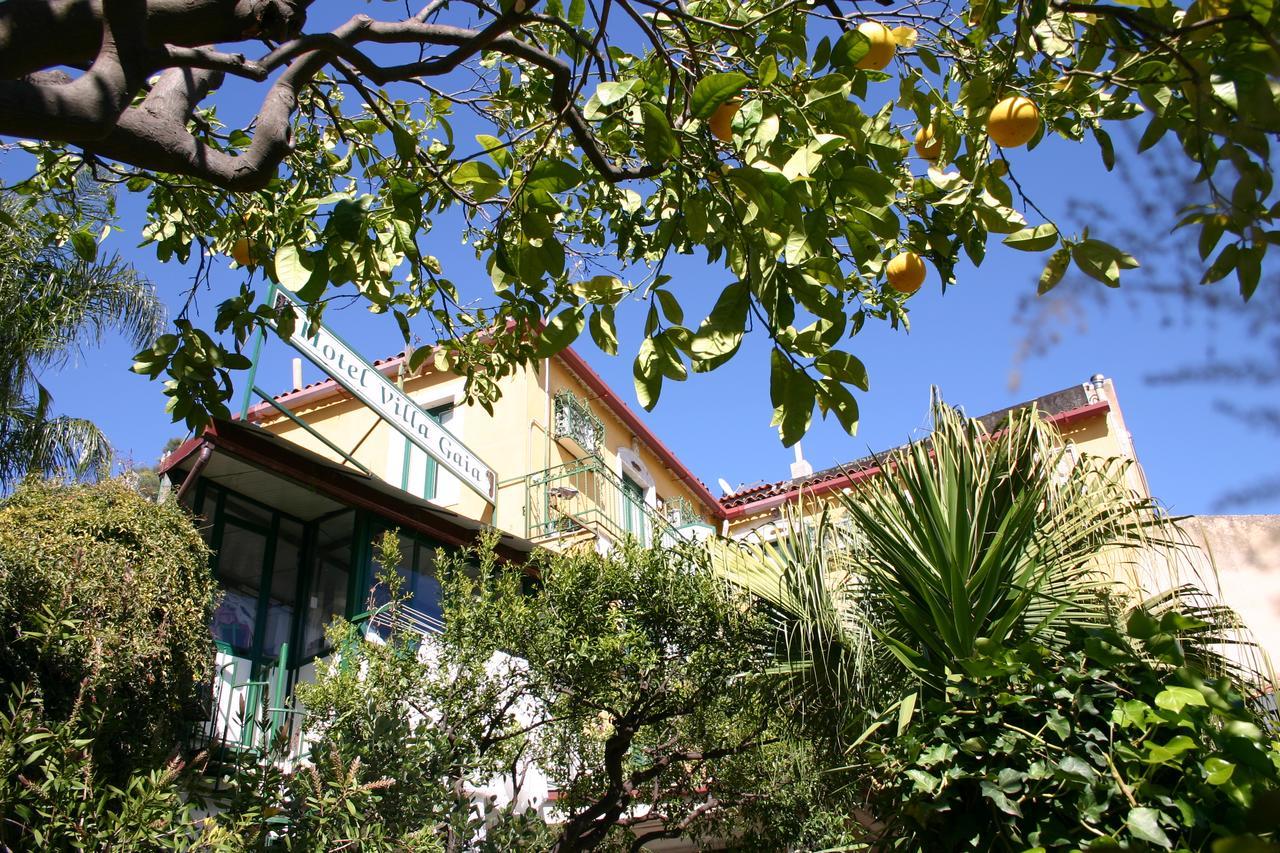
(1112,742)
(106,598)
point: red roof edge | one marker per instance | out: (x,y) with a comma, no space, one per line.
(596,383)
(574,362)
(1062,419)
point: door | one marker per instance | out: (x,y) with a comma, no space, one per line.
(633,517)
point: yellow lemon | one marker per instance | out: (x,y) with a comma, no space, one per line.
(906,272)
(722,120)
(883,45)
(242,252)
(1013,121)
(928,146)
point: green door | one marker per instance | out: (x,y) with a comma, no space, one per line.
(633,520)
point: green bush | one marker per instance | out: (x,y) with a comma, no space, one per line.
(106,598)
(1112,742)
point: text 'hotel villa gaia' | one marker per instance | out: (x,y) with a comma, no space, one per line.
(332,355)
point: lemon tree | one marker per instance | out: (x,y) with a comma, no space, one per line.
(581,145)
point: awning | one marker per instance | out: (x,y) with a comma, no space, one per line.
(274,471)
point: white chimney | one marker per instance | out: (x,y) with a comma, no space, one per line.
(297,373)
(800,468)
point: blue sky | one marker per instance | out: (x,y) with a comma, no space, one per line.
(718,423)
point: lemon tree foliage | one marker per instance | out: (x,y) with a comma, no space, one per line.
(585,144)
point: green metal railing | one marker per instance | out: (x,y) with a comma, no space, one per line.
(584,495)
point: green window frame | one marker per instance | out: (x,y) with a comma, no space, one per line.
(437,414)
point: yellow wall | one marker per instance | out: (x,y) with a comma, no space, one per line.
(514,441)
(1102,434)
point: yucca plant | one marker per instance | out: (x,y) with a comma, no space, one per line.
(968,540)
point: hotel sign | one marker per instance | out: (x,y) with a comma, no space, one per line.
(332,355)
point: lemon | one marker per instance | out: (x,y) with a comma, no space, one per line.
(928,146)
(1013,121)
(242,252)
(722,120)
(883,45)
(906,272)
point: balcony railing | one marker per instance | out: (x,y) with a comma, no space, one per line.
(585,496)
(260,718)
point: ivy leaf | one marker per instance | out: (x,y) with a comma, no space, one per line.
(1218,770)
(1035,239)
(660,143)
(1145,825)
(562,330)
(714,90)
(1176,698)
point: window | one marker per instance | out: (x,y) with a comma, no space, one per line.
(574,420)
(412,469)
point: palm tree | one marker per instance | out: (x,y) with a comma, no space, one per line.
(967,539)
(56,299)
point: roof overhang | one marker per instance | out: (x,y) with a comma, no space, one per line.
(253,461)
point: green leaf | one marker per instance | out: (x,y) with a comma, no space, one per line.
(1163,753)
(612,91)
(905,711)
(561,331)
(603,332)
(714,90)
(843,367)
(1176,698)
(1054,270)
(648,378)
(554,176)
(1141,625)
(85,246)
(1036,239)
(851,47)
(1218,770)
(601,289)
(1101,261)
(304,273)
(479,177)
(496,150)
(1144,823)
(721,333)
(670,306)
(793,395)
(660,143)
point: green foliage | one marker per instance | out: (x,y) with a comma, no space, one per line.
(1106,743)
(58,790)
(56,298)
(106,598)
(593,145)
(437,725)
(964,539)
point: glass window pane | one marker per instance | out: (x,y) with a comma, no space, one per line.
(239,571)
(331,572)
(244,510)
(284,588)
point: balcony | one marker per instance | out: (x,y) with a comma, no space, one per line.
(585,497)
